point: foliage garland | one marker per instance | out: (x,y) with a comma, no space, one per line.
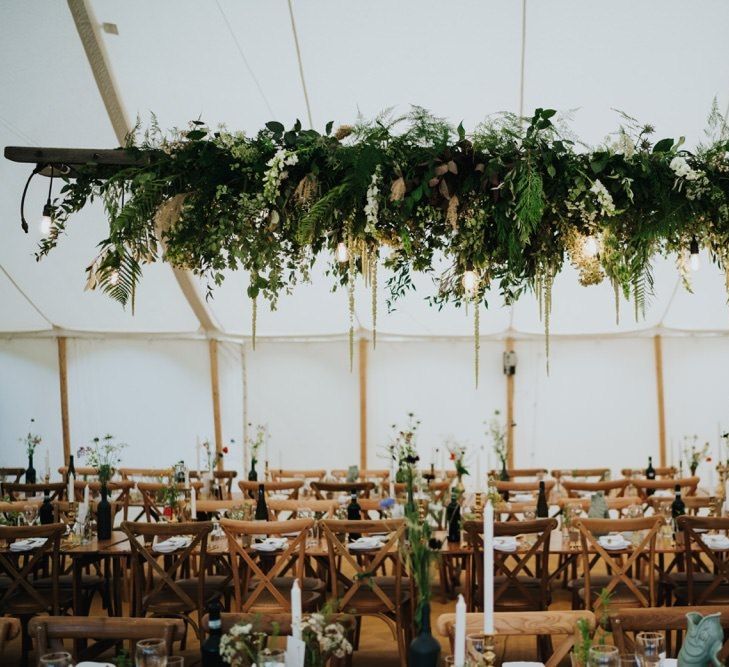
(509,202)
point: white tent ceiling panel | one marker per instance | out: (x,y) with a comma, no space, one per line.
(16,312)
(660,62)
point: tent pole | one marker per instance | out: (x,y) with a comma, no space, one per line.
(215,383)
(510,411)
(363,403)
(658,352)
(63,380)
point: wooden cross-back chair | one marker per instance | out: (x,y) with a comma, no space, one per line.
(145,474)
(358,588)
(523,487)
(327,490)
(626,623)
(362,476)
(259,581)
(601,474)
(694,504)
(50,631)
(170,587)
(19,596)
(526,623)
(625,589)
(119,494)
(516,473)
(521,578)
(662,472)
(19,491)
(224,478)
(688,486)
(706,580)
(438,490)
(612,488)
(325,508)
(17,473)
(283,475)
(149,491)
(613,504)
(289,489)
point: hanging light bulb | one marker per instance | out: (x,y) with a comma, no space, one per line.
(590,247)
(46,220)
(470,282)
(114,277)
(694,250)
(342,253)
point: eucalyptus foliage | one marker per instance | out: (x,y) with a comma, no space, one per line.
(512,200)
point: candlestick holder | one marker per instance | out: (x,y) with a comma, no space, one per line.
(481,650)
(71,515)
(422,508)
(478,502)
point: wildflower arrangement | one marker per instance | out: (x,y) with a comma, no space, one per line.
(104,454)
(496,433)
(255,443)
(31,440)
(693,453)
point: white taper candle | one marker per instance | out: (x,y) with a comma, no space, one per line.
(459,646)
(488,567)
(296,610)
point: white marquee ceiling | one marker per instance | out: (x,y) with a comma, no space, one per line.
(235,62)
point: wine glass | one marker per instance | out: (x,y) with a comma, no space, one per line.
(151,653)
(628,660)
(603,655)
(175,661)
(650,647)
(57,659)
(311,537)
(30,512)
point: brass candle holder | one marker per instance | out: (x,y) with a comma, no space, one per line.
(71,515)
(482,650)
(478,502)
(489,652)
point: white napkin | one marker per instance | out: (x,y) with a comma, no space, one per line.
(716,541)
(507,543)
(28,544)
(89,663)
(271,544)
(615,542)
(172,544)
(367,542)
(522,664)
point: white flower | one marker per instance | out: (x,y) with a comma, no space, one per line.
(624,144)
(372,208)
(276,173)
(604,198)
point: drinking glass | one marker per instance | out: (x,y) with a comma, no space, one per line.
(151,653)
(475,646)
(57,659)
(628,660)
(30,512)
(649,647)
(271,657)
(175,661)
(603,655)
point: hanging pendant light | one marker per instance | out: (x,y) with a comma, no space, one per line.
(470,282)
(46,221)
(114,277)
(342,253)
(590,247)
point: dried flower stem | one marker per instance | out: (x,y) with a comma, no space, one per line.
(254,317)
(373,283)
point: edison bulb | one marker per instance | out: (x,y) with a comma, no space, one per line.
(590,247)
(114,277)
(695,262)
(45,225)
(342,252)
(470,282)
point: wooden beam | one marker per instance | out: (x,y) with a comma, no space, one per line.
(63,380)
(658,353)
(74,157)
(363,343)
(510,410)
(215,384)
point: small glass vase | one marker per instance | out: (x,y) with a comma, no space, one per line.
(30,476)
(424,650)
(252,474)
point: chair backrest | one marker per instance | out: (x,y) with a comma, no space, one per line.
(617,504)
(663,471)
(688,485)
(327,508)
(12,472)
(282,475)
(611,488)
(144,474)
(695,548)
(50,631)
(151,577)
(152,508)
(246,564)
(512,567)
(9,630)
(82,472)
(618,564)
(626,623)
(20,574)
(18,491)
(289,489)
(528,487)
(694,504)
(581,473)
(325,490)
(350,574)
(224,478)
(438,490)
(362,476)
(525,623)
(515,473)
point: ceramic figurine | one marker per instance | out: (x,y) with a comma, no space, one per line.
(704,640)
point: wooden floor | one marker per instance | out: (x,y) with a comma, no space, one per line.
(377,646)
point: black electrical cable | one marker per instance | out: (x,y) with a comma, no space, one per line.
(23,222)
